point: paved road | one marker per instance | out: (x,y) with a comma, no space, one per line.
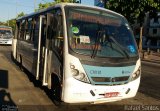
(22,90)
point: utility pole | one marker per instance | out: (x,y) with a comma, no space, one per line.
(16,8)
(8,17)
(34,5)
(105,3)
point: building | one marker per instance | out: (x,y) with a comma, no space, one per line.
(152,32)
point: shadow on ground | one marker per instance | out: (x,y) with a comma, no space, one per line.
(6,102)
(5,98)
(3,78)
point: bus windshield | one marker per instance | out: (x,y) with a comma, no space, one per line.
(99,33)
(5,33)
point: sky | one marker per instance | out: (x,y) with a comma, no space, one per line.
(10,8)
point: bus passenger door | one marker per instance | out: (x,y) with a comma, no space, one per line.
(41,48)
(53,50)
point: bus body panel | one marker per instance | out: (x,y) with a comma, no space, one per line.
(6,41)
(28,53)
(14,46)
(75,91)
(78,92)
(108,73)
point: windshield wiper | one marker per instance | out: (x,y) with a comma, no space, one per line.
(120,46)
(97,42)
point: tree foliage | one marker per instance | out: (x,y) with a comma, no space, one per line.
(46,5)
(133,9)
(2,23)
(12,22)
(68,1)
(20,14)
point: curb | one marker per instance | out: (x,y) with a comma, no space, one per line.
(156,55)
(150,61)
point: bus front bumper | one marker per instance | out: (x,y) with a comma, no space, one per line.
(7,42)
(79,92)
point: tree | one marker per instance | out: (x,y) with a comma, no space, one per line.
(45,5)
(12,23)
(20,14)
(68,1)
(2,23)
(48,4)
(132,9)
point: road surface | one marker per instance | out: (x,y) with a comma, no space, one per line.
(21,91)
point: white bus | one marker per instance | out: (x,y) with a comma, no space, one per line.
(6,35)
(84,54)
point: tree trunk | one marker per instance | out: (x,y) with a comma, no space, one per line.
(140,39)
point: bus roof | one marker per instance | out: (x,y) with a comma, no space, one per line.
(62,5)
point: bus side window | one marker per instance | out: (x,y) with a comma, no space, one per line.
(36,31)
(59,35)
(28,30)
(27,37)
(17,33)
(57,32)
(22,30)
(43,32)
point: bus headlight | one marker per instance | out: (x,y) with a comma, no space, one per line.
(136,74)
(79,75)
(75,72)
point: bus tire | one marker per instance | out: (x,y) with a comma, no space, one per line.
(20,63)
(12,58)
(55,90)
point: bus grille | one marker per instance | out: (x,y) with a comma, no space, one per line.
(119,79)
(109,79)
(101,79)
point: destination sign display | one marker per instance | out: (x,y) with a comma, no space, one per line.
(95,18)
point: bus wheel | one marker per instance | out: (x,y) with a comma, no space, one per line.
(20,63)
(12,58)
(56,90)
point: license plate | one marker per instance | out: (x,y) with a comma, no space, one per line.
(111,94)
